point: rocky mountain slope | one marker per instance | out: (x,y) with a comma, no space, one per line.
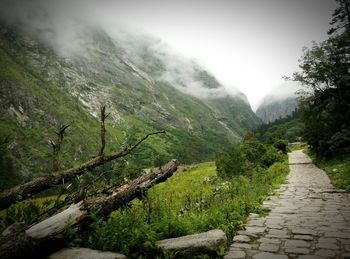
(145,85)
(273,109)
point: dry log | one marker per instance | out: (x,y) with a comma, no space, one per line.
(42,183)
(42,238)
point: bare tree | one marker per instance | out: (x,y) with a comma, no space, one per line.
(56,148)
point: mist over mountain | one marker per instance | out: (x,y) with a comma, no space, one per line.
(279,103)
(51,76)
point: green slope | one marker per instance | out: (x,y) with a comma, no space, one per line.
(41,90)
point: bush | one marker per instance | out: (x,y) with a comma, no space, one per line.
(232,163)
(281,144)
(243,158)
(270,156)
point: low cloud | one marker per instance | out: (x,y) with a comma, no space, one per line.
(65,27)
(282,92)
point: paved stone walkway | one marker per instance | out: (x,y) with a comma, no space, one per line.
(308,218)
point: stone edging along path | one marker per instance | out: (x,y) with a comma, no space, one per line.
(308,218)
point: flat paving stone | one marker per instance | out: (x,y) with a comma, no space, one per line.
(235,254)
(267,247)
(296,243)
(327,240)
(255,230)
(310,257)
(269,240)
(256,222)
(325,253)
(241,239)
(297,250)
(244,245)
(337,234)
(331,246)
(308,218)
(304,231)
(265,255)
(303,237)
(345,241)
(246,233)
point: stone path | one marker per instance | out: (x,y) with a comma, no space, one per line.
(308,218)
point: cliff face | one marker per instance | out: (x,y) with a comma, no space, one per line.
(145,85)
(271,110)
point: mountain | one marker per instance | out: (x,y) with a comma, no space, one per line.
(46,82)
(269,111)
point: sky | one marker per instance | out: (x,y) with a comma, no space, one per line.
(246,44)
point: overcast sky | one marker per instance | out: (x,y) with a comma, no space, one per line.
(248,44)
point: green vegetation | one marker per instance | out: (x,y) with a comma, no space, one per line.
(325,75)
(193,200)
(30,211)
(40,91)
(289,129)
(244,157)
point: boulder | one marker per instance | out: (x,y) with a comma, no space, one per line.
(188,246)
(85,253)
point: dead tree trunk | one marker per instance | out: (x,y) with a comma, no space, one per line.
(103,129)
(40,184)
(39,239)
(56,148)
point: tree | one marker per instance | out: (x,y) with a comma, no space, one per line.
(341,16)
(325,74)
(39,184)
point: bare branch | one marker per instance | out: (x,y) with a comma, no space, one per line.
(40,184)
(47,232)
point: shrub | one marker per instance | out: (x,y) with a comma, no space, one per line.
(281,144)
(270,156)
(232,163)
(243,158)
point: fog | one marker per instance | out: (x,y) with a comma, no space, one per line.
(247,45)
(65,27)
(281,92)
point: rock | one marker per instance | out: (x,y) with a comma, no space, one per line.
(202,243)
(264,255)
(241,239)
(266,247)
(85,253)
(235,254)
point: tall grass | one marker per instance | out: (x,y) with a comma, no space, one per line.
(192,201)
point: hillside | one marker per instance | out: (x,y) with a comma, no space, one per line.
(289,129)
(273,109)
(43,87)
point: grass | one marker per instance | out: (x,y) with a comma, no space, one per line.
(338,169)
(192,201)
(297,147)
(27,212)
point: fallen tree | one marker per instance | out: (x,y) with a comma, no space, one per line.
(42,183)
(42,238)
